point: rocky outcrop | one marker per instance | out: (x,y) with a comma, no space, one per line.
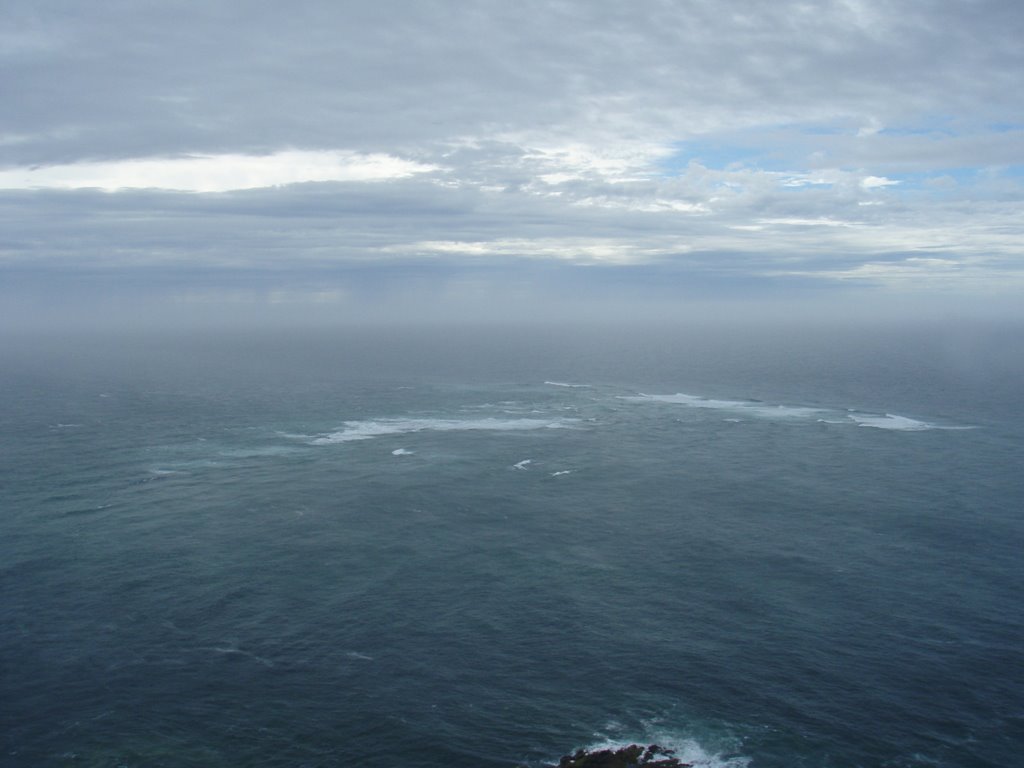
(633,756)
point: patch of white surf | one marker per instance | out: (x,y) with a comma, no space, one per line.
(749,407)
(521,464)
(761,410)
(896,422)
(402,452)
(686,750)
(566,384)
(369,429)
(561,472)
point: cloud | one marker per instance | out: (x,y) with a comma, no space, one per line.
(728,144)
(874,182)
(214,173)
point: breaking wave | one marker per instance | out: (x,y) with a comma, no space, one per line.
(687,750)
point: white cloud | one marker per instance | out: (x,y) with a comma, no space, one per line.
(655,205)
(614,159)
(874,182)
(802,222)
(872,127)
(572,249)
(215,173)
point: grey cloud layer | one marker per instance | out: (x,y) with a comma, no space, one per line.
(131,79)
(741,142)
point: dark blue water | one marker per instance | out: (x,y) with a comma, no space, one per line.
(424,549)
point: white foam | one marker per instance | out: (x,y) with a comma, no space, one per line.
(782,411)
(402,452)
(366,430)
(752,407)
(685,750)
(521,464)
(566,384)
(561,472)
(772,411)
(683,399)
(287,435)
(891,421)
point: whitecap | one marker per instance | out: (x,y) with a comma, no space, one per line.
(561,472)
(521,464)
(366,430)
(402,452)
(566,384)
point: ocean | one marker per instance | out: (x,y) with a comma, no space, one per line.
(763,548)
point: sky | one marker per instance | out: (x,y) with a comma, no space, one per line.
(215,162)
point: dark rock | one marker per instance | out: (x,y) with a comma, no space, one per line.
(633,756)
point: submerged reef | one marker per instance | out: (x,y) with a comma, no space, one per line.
(632,756)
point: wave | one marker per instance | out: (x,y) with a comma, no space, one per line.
(688,751)
(751,407)
(366,430)
(561,472)
(521,464)
(402,452)
(566,384)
